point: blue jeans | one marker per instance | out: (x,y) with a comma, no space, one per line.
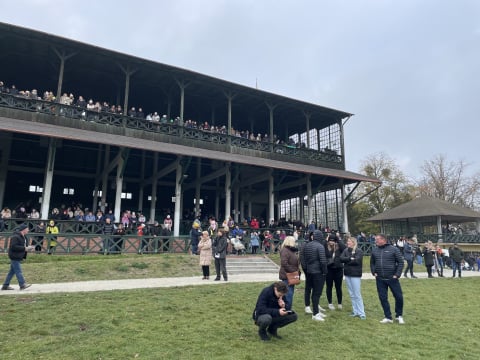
(455,266)
(354,290)
(289,295)
(382,288)
(15,269)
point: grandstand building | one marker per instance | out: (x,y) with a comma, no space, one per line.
(199,145)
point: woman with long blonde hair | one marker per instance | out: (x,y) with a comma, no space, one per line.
(288,263)
(352,258)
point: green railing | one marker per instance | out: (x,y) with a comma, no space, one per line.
(167,128)
(83,244)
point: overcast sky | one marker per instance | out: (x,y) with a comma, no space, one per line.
(408,69)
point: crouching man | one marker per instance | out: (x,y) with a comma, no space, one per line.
(270,313)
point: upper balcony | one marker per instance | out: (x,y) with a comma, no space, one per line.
(168,131)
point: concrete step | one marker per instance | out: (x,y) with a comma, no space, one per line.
(237,265)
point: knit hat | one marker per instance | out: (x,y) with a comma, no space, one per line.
(317,235)
(22,227)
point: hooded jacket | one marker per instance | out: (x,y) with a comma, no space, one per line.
(312,255)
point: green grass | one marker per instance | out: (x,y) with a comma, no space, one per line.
(214,322)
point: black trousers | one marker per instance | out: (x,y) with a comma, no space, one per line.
(334,276)
(273,323)
(221,268)
(313,288)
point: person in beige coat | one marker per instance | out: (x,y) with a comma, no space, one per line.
(205,248)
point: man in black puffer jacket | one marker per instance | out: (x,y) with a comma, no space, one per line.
(386,264)
(314,264)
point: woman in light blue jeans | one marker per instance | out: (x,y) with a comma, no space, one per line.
(352,257)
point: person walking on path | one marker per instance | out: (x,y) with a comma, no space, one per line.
(386,265)
(457,257)
(352,257)
(270,312)
(205,248)
(220,253)
(17,251)
(409,254)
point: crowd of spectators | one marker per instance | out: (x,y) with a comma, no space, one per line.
(103,106)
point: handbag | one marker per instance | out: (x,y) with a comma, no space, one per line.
(293,278)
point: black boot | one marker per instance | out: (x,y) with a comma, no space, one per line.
(273,332)
(263,334)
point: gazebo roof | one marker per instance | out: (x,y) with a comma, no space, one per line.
(422,208)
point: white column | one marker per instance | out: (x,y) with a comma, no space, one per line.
(271,198)
(439,228)
(345,213)
(309,198)
(236,203)
(104,180)
(118,189)
(153,202)
(197,187)
(47,184)
(178,200)
(228,180)
(142,178)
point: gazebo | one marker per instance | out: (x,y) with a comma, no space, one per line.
(428,218)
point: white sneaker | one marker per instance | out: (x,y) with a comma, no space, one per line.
(308,310)
(400,320)
(386,321)
(321,309)
(340,306)
(318,317)
(331,307)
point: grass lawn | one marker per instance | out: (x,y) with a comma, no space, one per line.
(214,322)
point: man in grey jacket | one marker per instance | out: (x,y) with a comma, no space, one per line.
(386,264)
(314,265)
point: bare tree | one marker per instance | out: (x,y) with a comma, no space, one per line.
(449,181)
(395,189)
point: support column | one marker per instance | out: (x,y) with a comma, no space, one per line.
(439,228)
(307,118)
(345,213)
(178,200)
(118,188)
(228,180)
(153,202)
(197,187)
(271,108)
(271,197)
(217,202)
(236,203)
(128,73)
(309,199)
(47,184)
(97,178)
(5,145)
(142,183)
(104,181)
(63,57)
